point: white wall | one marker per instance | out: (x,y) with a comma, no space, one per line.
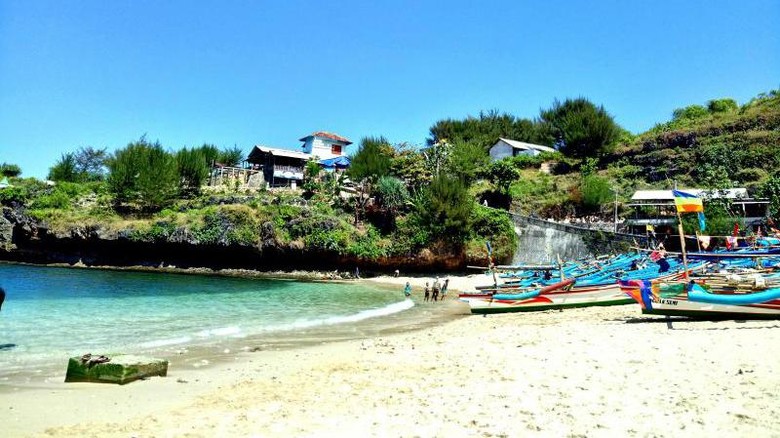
(500,150)
(321,147)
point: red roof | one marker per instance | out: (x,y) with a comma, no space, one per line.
(329,135)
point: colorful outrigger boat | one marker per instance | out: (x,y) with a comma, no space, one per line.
(700,300)
(513,302)
(596,289)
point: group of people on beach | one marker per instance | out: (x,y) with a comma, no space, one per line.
(436,292)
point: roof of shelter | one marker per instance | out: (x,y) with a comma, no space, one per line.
(525,146)
(279,152)
(666,195)
(328,135)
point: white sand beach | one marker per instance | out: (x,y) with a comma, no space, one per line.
(582,372)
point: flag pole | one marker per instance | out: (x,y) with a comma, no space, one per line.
(682,242)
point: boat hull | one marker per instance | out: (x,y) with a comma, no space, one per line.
(607,295)
(680,305)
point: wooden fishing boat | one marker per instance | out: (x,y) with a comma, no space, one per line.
(692,299)
(594,290)
(514,302)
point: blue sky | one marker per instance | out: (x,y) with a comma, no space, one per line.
(104,73)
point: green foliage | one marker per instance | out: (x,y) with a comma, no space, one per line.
(228,225)
(143,173)
(10,170)
(771,191)
(534,161)
(691,112)
(86,164)
(210,154)
(91,163)
(466,160)
(722,106)
(411,234)
(447,209)
(484,130)
(391,193)
(64,169)
(372,161)
(595,192)
(580,128)
(502,173)
(12,195)
(409,165)
(311,182)
(367,245)
(230,157)
(193,169)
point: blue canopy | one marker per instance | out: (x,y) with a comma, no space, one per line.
(336,162)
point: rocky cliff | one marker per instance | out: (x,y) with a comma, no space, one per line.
(24,239)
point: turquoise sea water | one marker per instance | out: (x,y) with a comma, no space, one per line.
(51,314)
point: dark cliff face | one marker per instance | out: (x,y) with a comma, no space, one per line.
(23,239)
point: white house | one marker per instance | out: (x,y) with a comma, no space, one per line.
(285,167)
(324,145)
(505,147)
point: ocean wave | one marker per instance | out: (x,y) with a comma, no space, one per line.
(222,331)
(166,342)
(342,319)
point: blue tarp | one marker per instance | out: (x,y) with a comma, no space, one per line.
(337,162)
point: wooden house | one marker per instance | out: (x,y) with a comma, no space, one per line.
(285,167)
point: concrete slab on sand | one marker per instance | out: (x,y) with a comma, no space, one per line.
(120,369)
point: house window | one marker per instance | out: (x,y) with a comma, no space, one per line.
(335,149)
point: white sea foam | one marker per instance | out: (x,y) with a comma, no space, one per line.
(222,331)
(359,316)
(165,342)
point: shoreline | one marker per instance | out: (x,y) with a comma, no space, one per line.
(301,275)
(591,371)
(220,350)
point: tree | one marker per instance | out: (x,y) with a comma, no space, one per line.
(391,196)
(447,208)
(409,165)
(466,160)
(579,128)
(210,153)
(10,170)
(91,163)
(371,161)
(231,157)
(64,169)
(86,164)
(483,130)
(193,169)
(311,182)
(143,173)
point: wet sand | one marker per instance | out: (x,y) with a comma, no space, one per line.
(587,372)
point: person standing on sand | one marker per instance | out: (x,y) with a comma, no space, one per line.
(427,292)
(444,288)
(408,290)
(436,287)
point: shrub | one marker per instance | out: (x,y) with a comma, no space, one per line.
(144,173)
(10,170)
(12,195)
(595,191)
